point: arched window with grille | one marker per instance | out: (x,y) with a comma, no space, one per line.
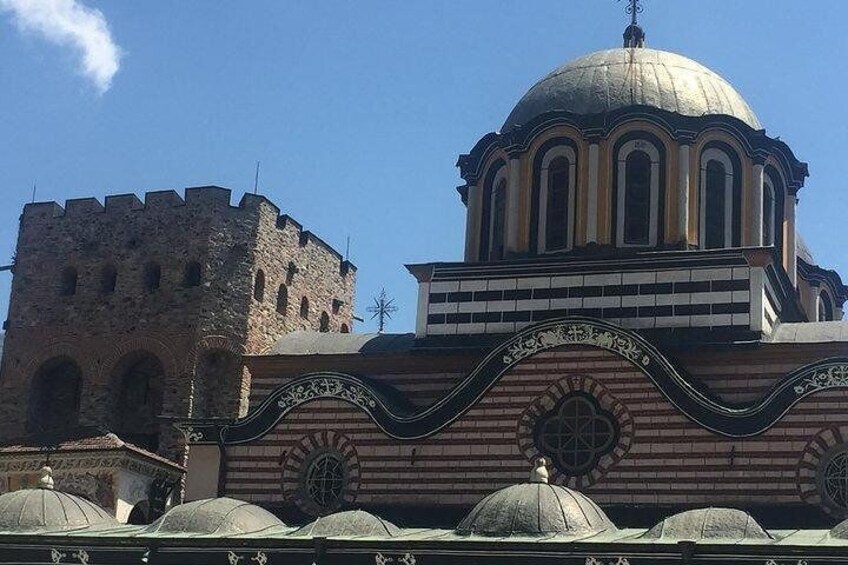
(718,200)
(825,307)
(638,194)
(497,226)
(54,400)
(557,180)
(768,212)
(493,214)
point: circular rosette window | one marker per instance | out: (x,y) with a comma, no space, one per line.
(576,433)
(581,428)
(833,479)
(321,474)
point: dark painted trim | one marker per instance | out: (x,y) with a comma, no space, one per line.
(681,128)
(401,422)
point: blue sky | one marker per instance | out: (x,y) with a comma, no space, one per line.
(358,110)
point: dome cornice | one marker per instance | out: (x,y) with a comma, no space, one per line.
(683,129)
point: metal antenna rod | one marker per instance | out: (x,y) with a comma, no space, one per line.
(256,179)
(34,187)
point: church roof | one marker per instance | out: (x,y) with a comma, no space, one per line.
(708,524)
(46,510)
(617,78)
(349,523)
(322,343)
(535,509)
(215,516)
(82,439)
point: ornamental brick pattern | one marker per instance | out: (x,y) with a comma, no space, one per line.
(663,458)
(132,295)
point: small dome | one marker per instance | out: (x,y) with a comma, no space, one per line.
(535,509)
(48,510)
(220,516)
(349,523)
(840,530)
(708,523)
(618,78)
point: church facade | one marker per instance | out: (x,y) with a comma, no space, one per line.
(634,305)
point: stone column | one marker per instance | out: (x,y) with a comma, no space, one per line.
(472,220)
(683,195)
(789,240)
(512,205)
(592,197)
(757,205)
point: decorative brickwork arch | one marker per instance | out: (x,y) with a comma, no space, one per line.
(400,419)
(221,342)
(572,387)
(825,454)
(154,346)
(322,466)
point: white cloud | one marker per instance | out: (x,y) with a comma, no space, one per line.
(70,23)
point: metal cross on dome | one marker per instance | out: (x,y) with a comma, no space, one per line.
(382,310)
(634,7)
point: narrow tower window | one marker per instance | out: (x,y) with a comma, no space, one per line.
(324,323)
(68,282)
(192,274)
(108,279)
(259,286)
(282,299)
(304,308)
(152,277)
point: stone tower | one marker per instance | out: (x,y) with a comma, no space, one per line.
(126,313)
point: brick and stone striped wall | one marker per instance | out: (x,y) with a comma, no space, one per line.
(667,459)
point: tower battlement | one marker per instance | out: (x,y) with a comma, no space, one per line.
(159,202)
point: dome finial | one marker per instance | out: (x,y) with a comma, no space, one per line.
(539,474)
(46,480)
(634,36)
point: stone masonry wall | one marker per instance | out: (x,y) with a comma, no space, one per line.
(99,328)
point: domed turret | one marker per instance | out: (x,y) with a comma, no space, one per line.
(535,508)
(219,516)
(349,523)
(708,523)
(617,78)
(45,509)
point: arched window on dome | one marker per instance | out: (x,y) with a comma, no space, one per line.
(638,194)
(768,212)
(492,237)
(556,199)
(719,201)
(497,225)
(824,307)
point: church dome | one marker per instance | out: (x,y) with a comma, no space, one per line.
(48,510)
(535,509)
(708,523)
(218,516)
(349,523)
(616,78)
